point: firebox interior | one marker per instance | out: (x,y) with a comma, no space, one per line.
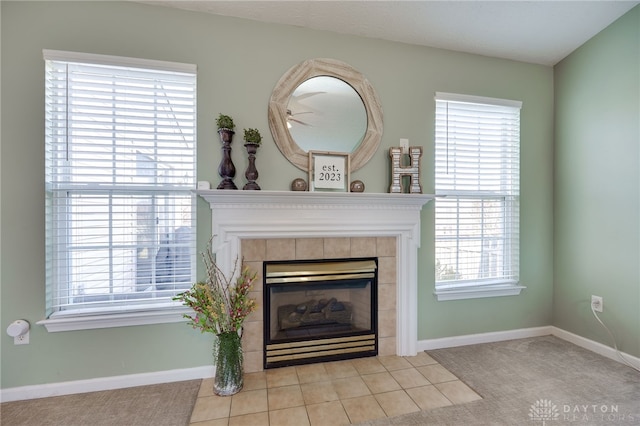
(319,310)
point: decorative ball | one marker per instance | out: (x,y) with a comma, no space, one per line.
(357,186)
(299,184)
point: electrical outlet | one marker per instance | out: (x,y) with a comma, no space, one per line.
(21,340)
(596,303)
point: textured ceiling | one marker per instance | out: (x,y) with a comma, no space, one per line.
(542,32)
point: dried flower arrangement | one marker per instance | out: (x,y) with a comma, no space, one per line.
(220,305)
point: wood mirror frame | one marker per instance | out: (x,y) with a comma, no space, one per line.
(332,68)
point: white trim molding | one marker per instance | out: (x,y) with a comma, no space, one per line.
(60,55)
(474,339)
(477,292)
(57,323)
(105,383)
(593,346)
(523,333)
(237,215)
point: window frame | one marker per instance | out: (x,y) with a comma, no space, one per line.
(152,311)
(478,287)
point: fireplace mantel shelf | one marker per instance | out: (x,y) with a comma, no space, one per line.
(221,198)
(238,215)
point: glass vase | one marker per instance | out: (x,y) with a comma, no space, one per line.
(227,352)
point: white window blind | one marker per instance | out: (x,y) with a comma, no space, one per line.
(120,170)
(477,162)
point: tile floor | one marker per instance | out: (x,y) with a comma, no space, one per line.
(333,393)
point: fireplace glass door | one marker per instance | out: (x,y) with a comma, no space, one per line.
(319,310)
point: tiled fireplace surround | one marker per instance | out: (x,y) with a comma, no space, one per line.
(255,252)
(270,225)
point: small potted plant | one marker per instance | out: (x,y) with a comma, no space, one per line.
(225,122)
(252,136)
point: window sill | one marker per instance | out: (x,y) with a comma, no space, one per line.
(57,322)
(478,292)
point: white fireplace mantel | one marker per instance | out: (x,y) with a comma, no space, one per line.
(238,215)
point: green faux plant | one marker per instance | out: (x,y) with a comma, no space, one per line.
(220,304)
(225,122)
(252,136)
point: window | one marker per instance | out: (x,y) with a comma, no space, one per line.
(120,173)
(477,157)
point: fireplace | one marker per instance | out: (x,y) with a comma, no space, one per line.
(278,225)
(319,310)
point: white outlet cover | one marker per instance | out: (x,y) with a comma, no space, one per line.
(597,303)
(21,340)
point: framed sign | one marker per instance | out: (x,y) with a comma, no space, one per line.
(328,171)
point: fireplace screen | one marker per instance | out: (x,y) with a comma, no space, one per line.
(319,310)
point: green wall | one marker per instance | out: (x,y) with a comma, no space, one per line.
(597,185)
(239,62)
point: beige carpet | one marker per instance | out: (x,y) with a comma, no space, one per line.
(579,387)
(167,404)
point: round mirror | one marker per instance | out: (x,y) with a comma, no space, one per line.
(325,113)
(325,105)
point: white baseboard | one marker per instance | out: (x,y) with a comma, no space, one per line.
(593,346)
(474,339)
(104,383)
(499,336)
(131,380)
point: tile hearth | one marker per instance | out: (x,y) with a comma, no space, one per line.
(334,393)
